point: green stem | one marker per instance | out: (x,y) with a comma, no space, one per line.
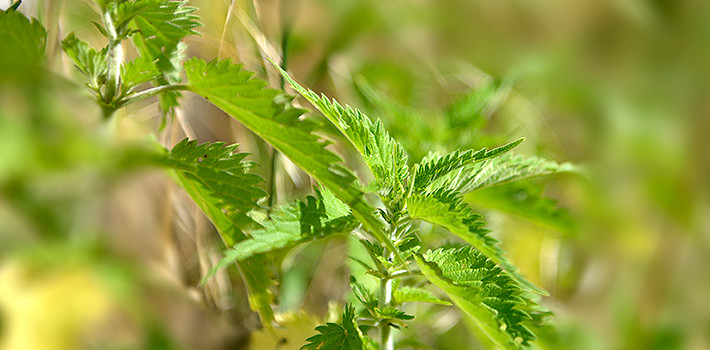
(386,335)
(149,93)
(115,58)
(272,180)
(385,300)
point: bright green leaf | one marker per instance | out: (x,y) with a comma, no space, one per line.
(383,155)
(482,290)
(498,171)
(217,179)
(434,168)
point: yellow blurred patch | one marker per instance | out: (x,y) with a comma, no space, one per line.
(48,310)
(291,333)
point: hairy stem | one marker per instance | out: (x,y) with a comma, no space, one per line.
(272,180)
(149,93)
(386,335)
(385,300)
(115,58)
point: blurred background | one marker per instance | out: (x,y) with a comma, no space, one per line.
(96,250)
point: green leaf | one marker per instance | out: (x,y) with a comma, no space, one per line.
(448,210)
(91,63)
(383,155)
(140,70)
(334,207)
(289,225)
(217,179)
(434,168)
(410,294)
(161,25)
(524,199)
(265,112)
(481,289)
(22,42)
(496,171)
(472,110)
(333,336)
(392,313)
(366,297)
(258,279)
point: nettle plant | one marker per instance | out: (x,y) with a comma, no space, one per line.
(472,273)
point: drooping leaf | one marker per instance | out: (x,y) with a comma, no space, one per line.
(334,336)
(217,179)
(448,210)
(434,168)
(265,112)
(288,225)
(481,289)
(383,155)
(411,294)
(88,61)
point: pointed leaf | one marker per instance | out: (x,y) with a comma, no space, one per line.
(140,70)
(383,155)
(161,26)
(496,171)
(434,168)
